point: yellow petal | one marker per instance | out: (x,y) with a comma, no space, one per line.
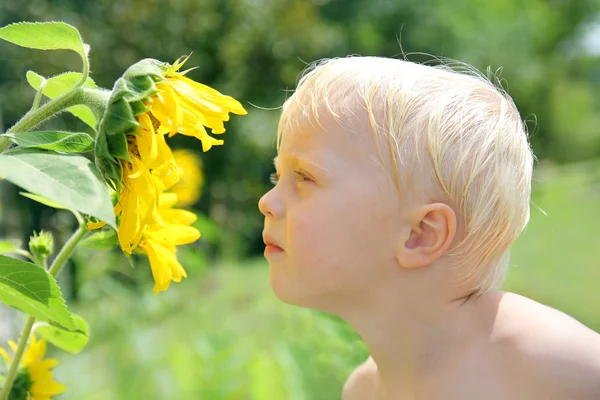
(174,235)
(167,200)
(35,351)
(228,102)
(161,113)
(172,103)
(4,355)
(164,265)
(178,216)
(147,143)
(47,389)
(92,226)
(140,208)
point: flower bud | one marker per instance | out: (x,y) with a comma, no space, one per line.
(41,245)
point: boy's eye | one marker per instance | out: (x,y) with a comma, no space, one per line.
(302,177)
(274,177)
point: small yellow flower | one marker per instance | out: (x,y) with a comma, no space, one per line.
(35,378)
(188,189)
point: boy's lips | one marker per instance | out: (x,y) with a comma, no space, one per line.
(271,245)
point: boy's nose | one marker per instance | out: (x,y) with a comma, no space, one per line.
(269,205)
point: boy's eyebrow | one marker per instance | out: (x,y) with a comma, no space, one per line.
(299,158)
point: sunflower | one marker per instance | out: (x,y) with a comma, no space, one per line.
(150,101)
(34,380)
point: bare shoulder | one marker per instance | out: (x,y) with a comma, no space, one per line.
(551,351)
(362,382)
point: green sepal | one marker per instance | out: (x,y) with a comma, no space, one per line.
(21,387)
(119,118)
(101,240)
(117,146)
(138,107)
(127,100)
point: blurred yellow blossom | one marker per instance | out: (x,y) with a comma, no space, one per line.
(34,380)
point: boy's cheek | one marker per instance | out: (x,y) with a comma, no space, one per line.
(307,233)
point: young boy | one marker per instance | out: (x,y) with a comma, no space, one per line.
(400,189)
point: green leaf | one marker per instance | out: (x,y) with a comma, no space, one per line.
(68,142)
(43,200)
(103,240)
(44,36)
(62,83)
(52,204)
(70,180)
(31,289)
(9,247)
(70,341)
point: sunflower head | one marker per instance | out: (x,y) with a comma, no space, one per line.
(168,99)
(151,101)
(128,99)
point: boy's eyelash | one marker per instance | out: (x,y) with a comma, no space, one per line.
(274,177)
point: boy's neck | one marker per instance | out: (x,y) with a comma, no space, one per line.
(412,344)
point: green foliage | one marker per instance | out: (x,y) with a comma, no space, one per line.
(29,288)
(8,247)
(555,259)
(59,84)
(70,341)
(223,336)
(70,180)
(44,36)
(65,142)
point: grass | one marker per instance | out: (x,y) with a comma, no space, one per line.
(224,335)
(556,260)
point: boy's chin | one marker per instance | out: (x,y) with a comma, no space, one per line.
(293,293)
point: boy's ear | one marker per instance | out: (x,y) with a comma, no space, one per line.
(432,230)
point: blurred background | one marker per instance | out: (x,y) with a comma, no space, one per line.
(221,333)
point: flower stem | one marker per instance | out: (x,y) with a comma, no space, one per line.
(35,117)
(14,366)
(67,249)
(38,96)
(59,261)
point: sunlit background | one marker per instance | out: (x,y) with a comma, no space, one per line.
(221,333)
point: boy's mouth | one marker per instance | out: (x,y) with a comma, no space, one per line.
(271,245)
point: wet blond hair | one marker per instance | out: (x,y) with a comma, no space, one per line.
(450,124)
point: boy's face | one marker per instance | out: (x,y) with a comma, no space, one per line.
(335,215)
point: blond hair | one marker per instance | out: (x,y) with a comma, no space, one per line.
(452,125)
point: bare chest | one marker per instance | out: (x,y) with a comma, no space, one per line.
(481,379)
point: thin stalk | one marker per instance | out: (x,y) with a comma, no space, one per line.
(14,365)
(35,117)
